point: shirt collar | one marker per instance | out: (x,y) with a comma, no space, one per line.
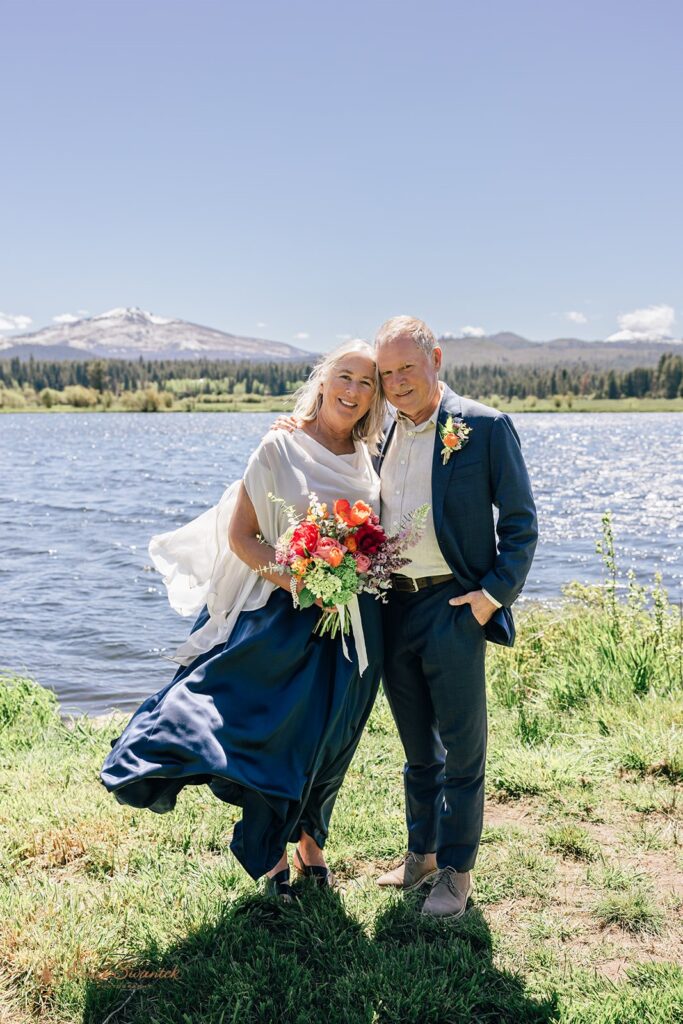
(408,424)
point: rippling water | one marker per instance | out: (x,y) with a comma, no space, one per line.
(83,611)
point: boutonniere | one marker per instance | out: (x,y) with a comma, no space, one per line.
(454,436)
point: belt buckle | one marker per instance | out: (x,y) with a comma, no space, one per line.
(415,585)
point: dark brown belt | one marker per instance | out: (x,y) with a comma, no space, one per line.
(407,583)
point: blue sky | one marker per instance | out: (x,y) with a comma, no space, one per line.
(302,170)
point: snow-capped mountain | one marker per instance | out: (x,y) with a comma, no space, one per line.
(132,332)
(127,333)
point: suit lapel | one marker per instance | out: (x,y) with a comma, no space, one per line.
(450,406)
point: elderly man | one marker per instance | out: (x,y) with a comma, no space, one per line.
(462,458)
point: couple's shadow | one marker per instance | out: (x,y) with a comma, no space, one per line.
(313,962)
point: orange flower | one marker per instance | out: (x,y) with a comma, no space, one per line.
(342,510)
(451,440)
(334,557)
(300,565)
(360,513)
(351,542)
(352,515)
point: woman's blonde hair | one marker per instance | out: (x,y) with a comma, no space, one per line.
(309,396)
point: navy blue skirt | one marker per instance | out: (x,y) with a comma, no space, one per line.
(268,720)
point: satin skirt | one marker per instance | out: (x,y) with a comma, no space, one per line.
(269,721)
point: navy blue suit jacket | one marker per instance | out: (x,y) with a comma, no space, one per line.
(488,470)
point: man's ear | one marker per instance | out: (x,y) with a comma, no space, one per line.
(437,356)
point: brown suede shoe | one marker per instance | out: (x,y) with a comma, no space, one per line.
(414,871)
(449,894)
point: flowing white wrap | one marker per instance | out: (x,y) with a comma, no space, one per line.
(196,561)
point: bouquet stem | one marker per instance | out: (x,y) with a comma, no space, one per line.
(328,624)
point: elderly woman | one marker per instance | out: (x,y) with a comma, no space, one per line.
(262,710)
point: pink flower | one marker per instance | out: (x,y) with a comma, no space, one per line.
(330,550)
(363,563)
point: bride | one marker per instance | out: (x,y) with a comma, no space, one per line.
(263,711)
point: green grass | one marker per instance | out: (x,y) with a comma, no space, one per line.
(219,403)
(578,885)
(635,911)
(276,403)
(571,840)
(576,403)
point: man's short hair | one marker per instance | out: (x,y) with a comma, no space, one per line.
(416,329)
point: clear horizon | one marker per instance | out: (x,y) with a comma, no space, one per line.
(301,172)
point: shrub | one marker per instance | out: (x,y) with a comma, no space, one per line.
(149,400)
(79,396)
(11,399)
(49,397)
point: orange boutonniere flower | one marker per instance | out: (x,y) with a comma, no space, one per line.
(454,436)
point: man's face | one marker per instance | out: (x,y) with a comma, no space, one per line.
(409,376)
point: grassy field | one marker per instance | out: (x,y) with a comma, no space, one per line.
(261,403)
(111,914)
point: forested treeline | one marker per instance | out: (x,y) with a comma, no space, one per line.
(119,375)
(197,376)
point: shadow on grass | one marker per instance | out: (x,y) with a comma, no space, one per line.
(263,962)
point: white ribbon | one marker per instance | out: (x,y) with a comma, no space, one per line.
(353,609)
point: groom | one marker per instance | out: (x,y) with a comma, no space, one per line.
(461,458)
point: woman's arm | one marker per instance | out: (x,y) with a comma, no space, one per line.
(243,539)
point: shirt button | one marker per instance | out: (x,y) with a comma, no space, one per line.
(403,462)
(397,491)
(411,433)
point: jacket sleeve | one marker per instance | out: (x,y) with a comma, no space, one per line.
(517,526)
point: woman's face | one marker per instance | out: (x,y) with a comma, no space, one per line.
(348,390)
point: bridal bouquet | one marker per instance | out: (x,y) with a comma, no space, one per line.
(341,553)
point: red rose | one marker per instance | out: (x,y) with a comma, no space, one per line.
(370,538)
(304,539)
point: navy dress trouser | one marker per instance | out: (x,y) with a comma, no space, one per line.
(434,679)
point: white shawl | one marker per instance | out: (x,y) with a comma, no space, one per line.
(196,561)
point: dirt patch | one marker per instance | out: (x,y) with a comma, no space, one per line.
(567,924)
(500,815)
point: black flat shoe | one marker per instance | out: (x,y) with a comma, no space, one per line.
(320,875)
(278,887)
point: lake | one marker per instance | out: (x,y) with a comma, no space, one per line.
(83,611)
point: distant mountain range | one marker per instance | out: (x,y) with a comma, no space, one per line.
(128,333)
(131,333)
(510,349)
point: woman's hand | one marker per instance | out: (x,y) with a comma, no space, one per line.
(288,423)
(318,601)
(300,585)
